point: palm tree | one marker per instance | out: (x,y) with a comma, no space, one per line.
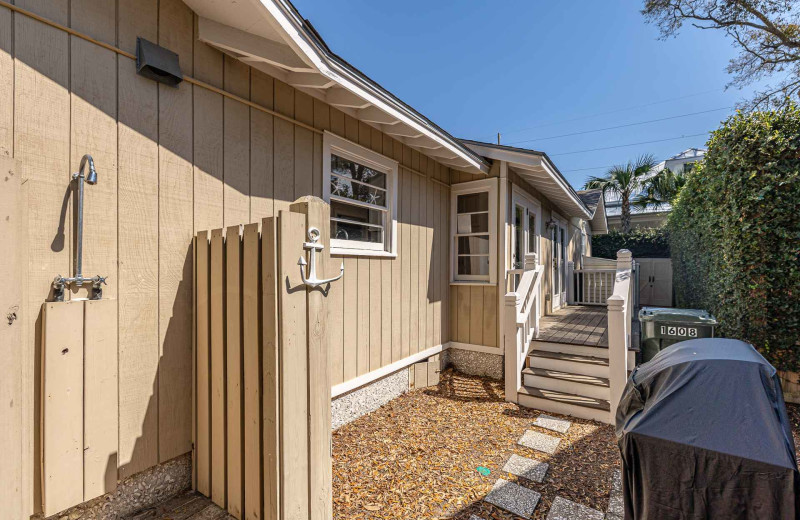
(624,181)
(661,189)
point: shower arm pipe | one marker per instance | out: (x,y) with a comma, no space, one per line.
(80,178)
(79,279)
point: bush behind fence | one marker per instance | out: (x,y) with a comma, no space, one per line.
(643,243)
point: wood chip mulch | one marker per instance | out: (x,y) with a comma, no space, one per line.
(416,457)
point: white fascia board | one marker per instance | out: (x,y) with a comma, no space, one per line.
(347,79)
(526,161)
(504,154)
(567,189)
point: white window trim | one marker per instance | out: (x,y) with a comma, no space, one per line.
(561,223)
(465,188)
(333,144)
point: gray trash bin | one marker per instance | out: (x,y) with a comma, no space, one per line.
(664,326)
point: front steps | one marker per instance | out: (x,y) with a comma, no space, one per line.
(567,379)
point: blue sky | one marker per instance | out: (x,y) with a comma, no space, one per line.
(533,70)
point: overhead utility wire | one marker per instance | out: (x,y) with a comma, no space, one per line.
(629,144)
(621,126)
(586,169)
(612,111)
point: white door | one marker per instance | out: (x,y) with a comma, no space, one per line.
(524,234)
(559,252)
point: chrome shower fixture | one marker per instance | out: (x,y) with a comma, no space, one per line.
(78,280)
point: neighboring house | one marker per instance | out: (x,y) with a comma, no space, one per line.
(593,200)
(652,216)
(436,234)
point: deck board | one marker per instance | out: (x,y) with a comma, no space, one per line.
(185,506)
(576,325)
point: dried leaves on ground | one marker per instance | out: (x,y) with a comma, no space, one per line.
(416,457)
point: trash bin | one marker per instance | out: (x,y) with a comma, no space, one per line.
(663,326)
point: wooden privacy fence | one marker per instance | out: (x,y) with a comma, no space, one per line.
(262,374)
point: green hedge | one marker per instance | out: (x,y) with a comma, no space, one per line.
(643,243)
(735,233)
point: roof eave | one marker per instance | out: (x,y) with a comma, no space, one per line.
(531,158)
(333,67)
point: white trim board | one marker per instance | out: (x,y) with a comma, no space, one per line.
(369,377)
(476,348)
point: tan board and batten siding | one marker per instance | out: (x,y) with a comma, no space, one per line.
(474,308)
(172,162)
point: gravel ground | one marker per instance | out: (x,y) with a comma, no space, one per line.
(416,457)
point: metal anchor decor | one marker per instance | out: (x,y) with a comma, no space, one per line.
(313,247)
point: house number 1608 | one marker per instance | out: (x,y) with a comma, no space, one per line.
(679,331)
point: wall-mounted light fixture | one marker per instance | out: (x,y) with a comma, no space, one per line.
(550,224)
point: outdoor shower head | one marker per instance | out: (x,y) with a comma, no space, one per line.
(92,177)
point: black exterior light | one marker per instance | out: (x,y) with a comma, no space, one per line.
(157,63)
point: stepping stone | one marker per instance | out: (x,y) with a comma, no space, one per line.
(552,423)
(539,441)
(616,506)
(513,498)
(563,509)
(526,468)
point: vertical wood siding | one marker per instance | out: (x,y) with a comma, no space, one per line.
(172,162)
(473,313)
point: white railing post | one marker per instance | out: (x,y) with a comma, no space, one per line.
(531,261)
(570,283)
(619,328)
(513,373)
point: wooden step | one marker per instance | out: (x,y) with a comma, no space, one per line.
(578,384)
(569,363)
(568,348)
(567,376)
(565,403)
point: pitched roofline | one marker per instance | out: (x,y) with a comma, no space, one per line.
(334,67)
(559,177)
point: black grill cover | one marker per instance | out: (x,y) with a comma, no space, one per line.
(703,433)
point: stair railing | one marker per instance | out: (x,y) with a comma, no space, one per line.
(620,319)
(522,311)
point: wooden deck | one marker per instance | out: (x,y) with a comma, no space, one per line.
(576,325)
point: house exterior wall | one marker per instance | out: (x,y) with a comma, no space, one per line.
(474,307)
(172,162)
(474,313)
(546,245)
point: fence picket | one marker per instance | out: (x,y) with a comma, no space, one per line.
(263,371)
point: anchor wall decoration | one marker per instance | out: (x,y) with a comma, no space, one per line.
(313,247)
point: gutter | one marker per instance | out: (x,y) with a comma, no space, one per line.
(333,67)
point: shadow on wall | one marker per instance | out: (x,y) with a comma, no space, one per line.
(152,431)
(170,162)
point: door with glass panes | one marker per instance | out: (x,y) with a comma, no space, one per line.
(524,234)
(558,243)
